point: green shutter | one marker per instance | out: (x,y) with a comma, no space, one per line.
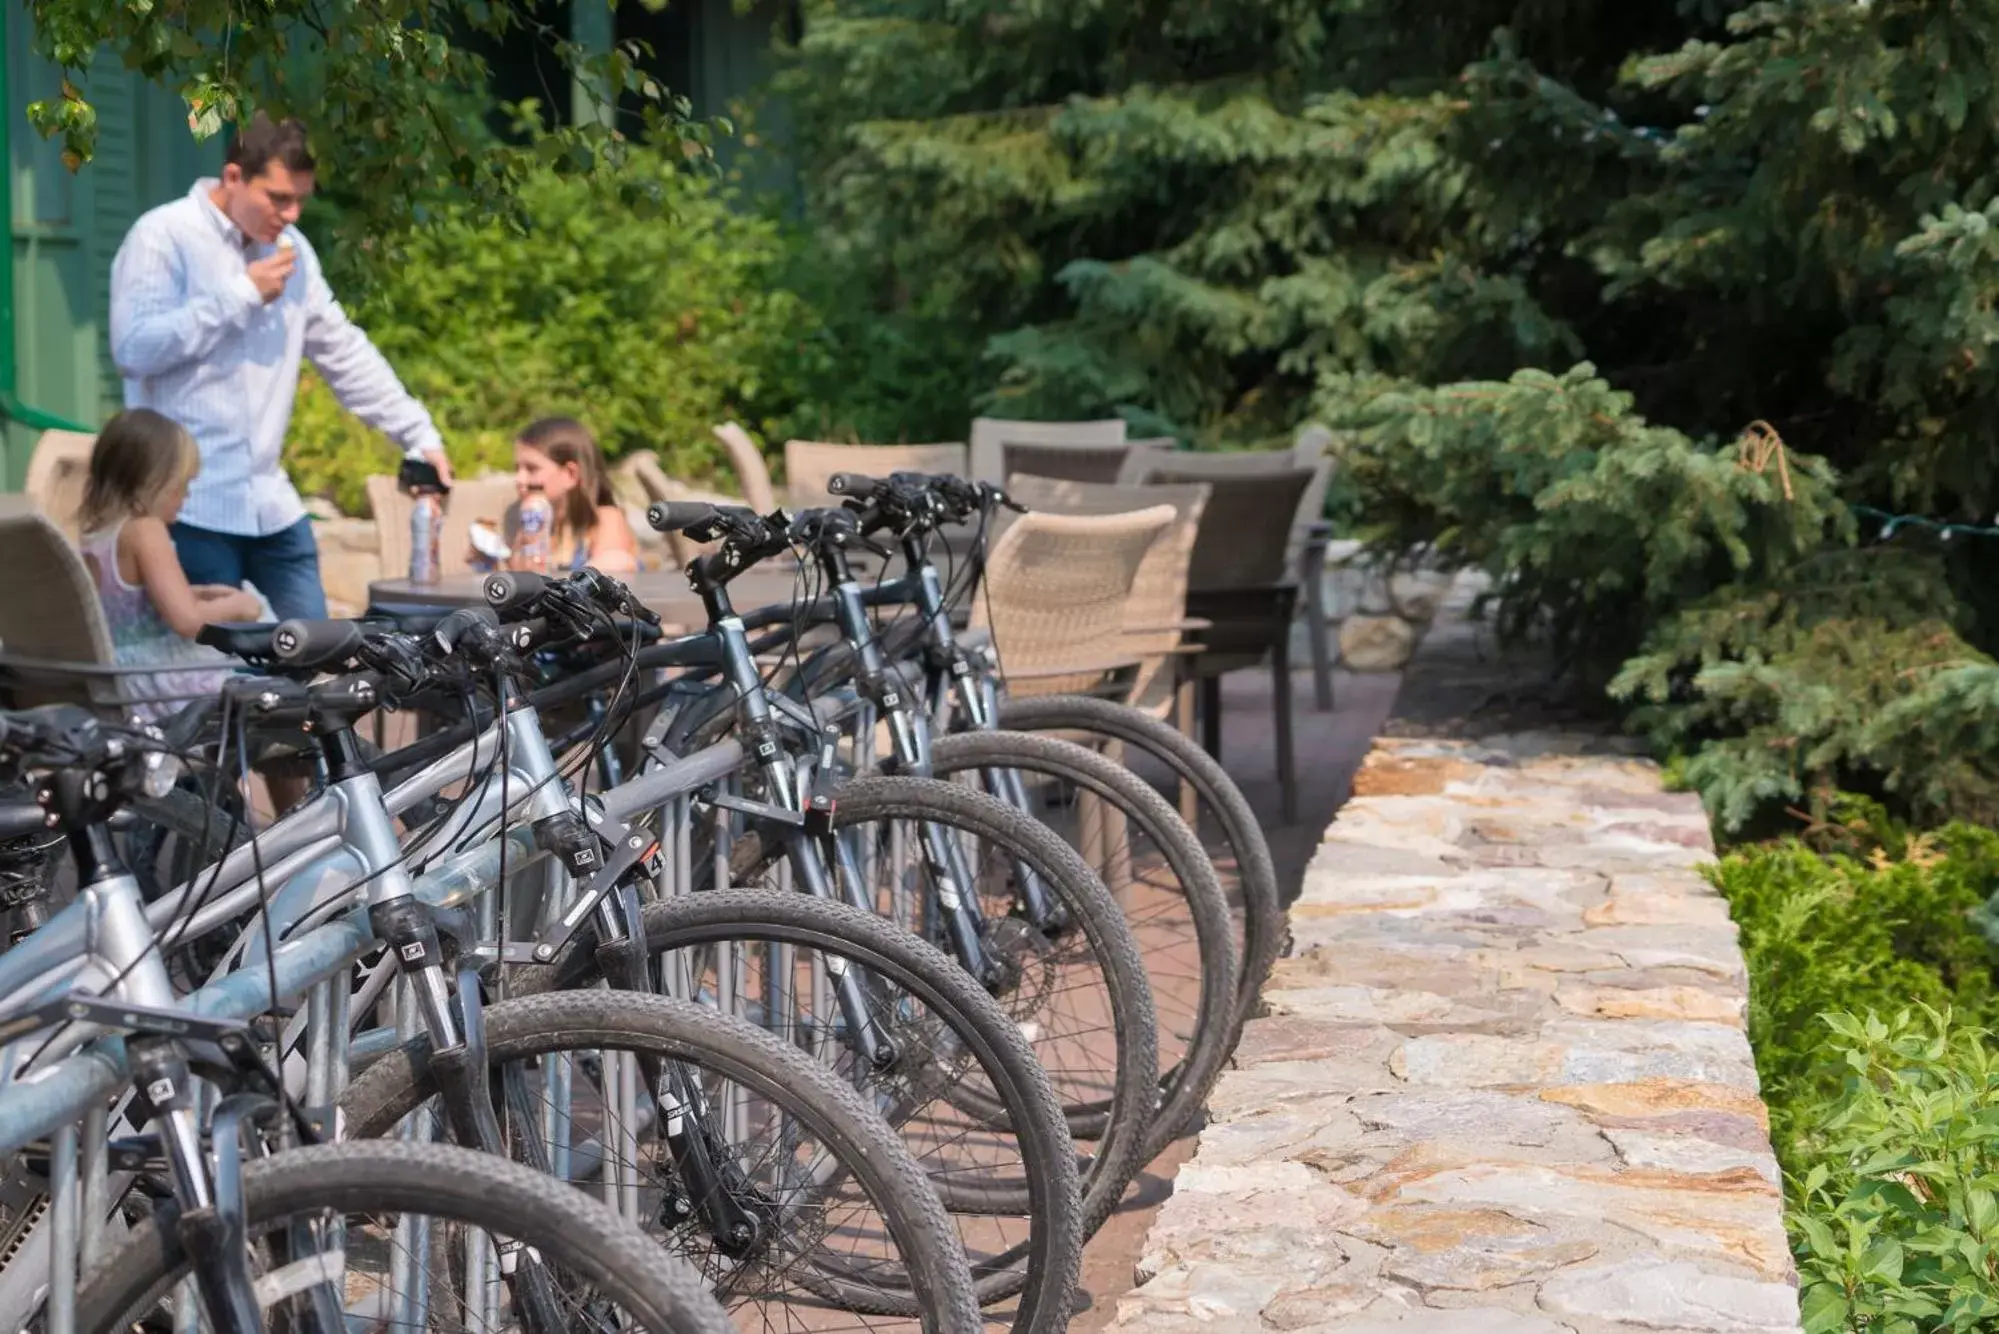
(112,178)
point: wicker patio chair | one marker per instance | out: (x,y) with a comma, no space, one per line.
(746,458)
(641,472)
(1239,582)
(58,472)
(809,463)
(55,647)
(1068,460)
(1155,613)
(1055,589)
(1305,549)
(991,435)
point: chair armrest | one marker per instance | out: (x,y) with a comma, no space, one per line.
(1069,669)
(1184,623)
(57,667)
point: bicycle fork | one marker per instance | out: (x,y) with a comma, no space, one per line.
(168,1097)
(712,1184)
(953,887)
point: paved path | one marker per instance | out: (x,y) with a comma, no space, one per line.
(1503,1086)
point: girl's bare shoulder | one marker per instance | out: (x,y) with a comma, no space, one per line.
(144,532)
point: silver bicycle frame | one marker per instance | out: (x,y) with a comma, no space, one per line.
(59,1092)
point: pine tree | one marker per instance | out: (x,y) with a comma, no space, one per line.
(1781,210)
(1217,217)
(1191,211)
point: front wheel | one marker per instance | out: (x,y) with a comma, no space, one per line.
(1221,815)
(733,1150)
(1000,1176)
(1160,878)
(460,1205)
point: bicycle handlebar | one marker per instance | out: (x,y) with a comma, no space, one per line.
(510,589)
(672,516)
(301,644)
(580,599)
(93,766)
(23,729)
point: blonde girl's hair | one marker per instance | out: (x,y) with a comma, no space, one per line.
(566,440)
(138,457)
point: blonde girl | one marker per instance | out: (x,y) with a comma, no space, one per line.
(139,473)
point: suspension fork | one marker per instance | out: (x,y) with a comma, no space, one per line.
(166,1095)
(458,1055)
(806,823)
(213,1236)
(713,1185)
(460,1063)
(805,850)
(978,704)
(952,884)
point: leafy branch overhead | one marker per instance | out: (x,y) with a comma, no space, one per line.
(395,92)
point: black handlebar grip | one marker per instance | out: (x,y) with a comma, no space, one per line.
(852,484)
(670,516)
(508,589)
(302,643)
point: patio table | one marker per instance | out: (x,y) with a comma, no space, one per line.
(664,591)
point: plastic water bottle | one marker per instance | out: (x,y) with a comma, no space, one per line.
(426,491)
(531,548)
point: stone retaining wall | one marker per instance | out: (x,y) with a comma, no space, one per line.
(1502,1086)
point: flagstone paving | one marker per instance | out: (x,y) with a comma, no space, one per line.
(1502,1086)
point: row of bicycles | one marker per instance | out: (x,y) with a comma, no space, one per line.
(788,974)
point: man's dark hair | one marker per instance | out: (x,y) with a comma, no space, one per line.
(264,141)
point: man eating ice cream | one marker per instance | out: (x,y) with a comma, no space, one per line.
(215,300)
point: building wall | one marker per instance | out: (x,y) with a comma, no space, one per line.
(64,227)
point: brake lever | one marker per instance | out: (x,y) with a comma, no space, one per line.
(611,596)
(399,658)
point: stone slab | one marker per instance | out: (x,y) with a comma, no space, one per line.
(1502,1085)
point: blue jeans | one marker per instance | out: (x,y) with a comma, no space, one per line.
(283,565)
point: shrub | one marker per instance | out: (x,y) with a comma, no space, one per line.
(1896,1225)
(1846,673)
(1884,926)
(1593,523)
(638,302)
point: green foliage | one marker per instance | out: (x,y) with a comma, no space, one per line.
(1885,1128)
(1834,196)
(1593,523)
(1884,926)
(1221,215)
(864,378)
(1896,1223)
(1845,673)
(1190,211)
(647,330)
(394,91)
